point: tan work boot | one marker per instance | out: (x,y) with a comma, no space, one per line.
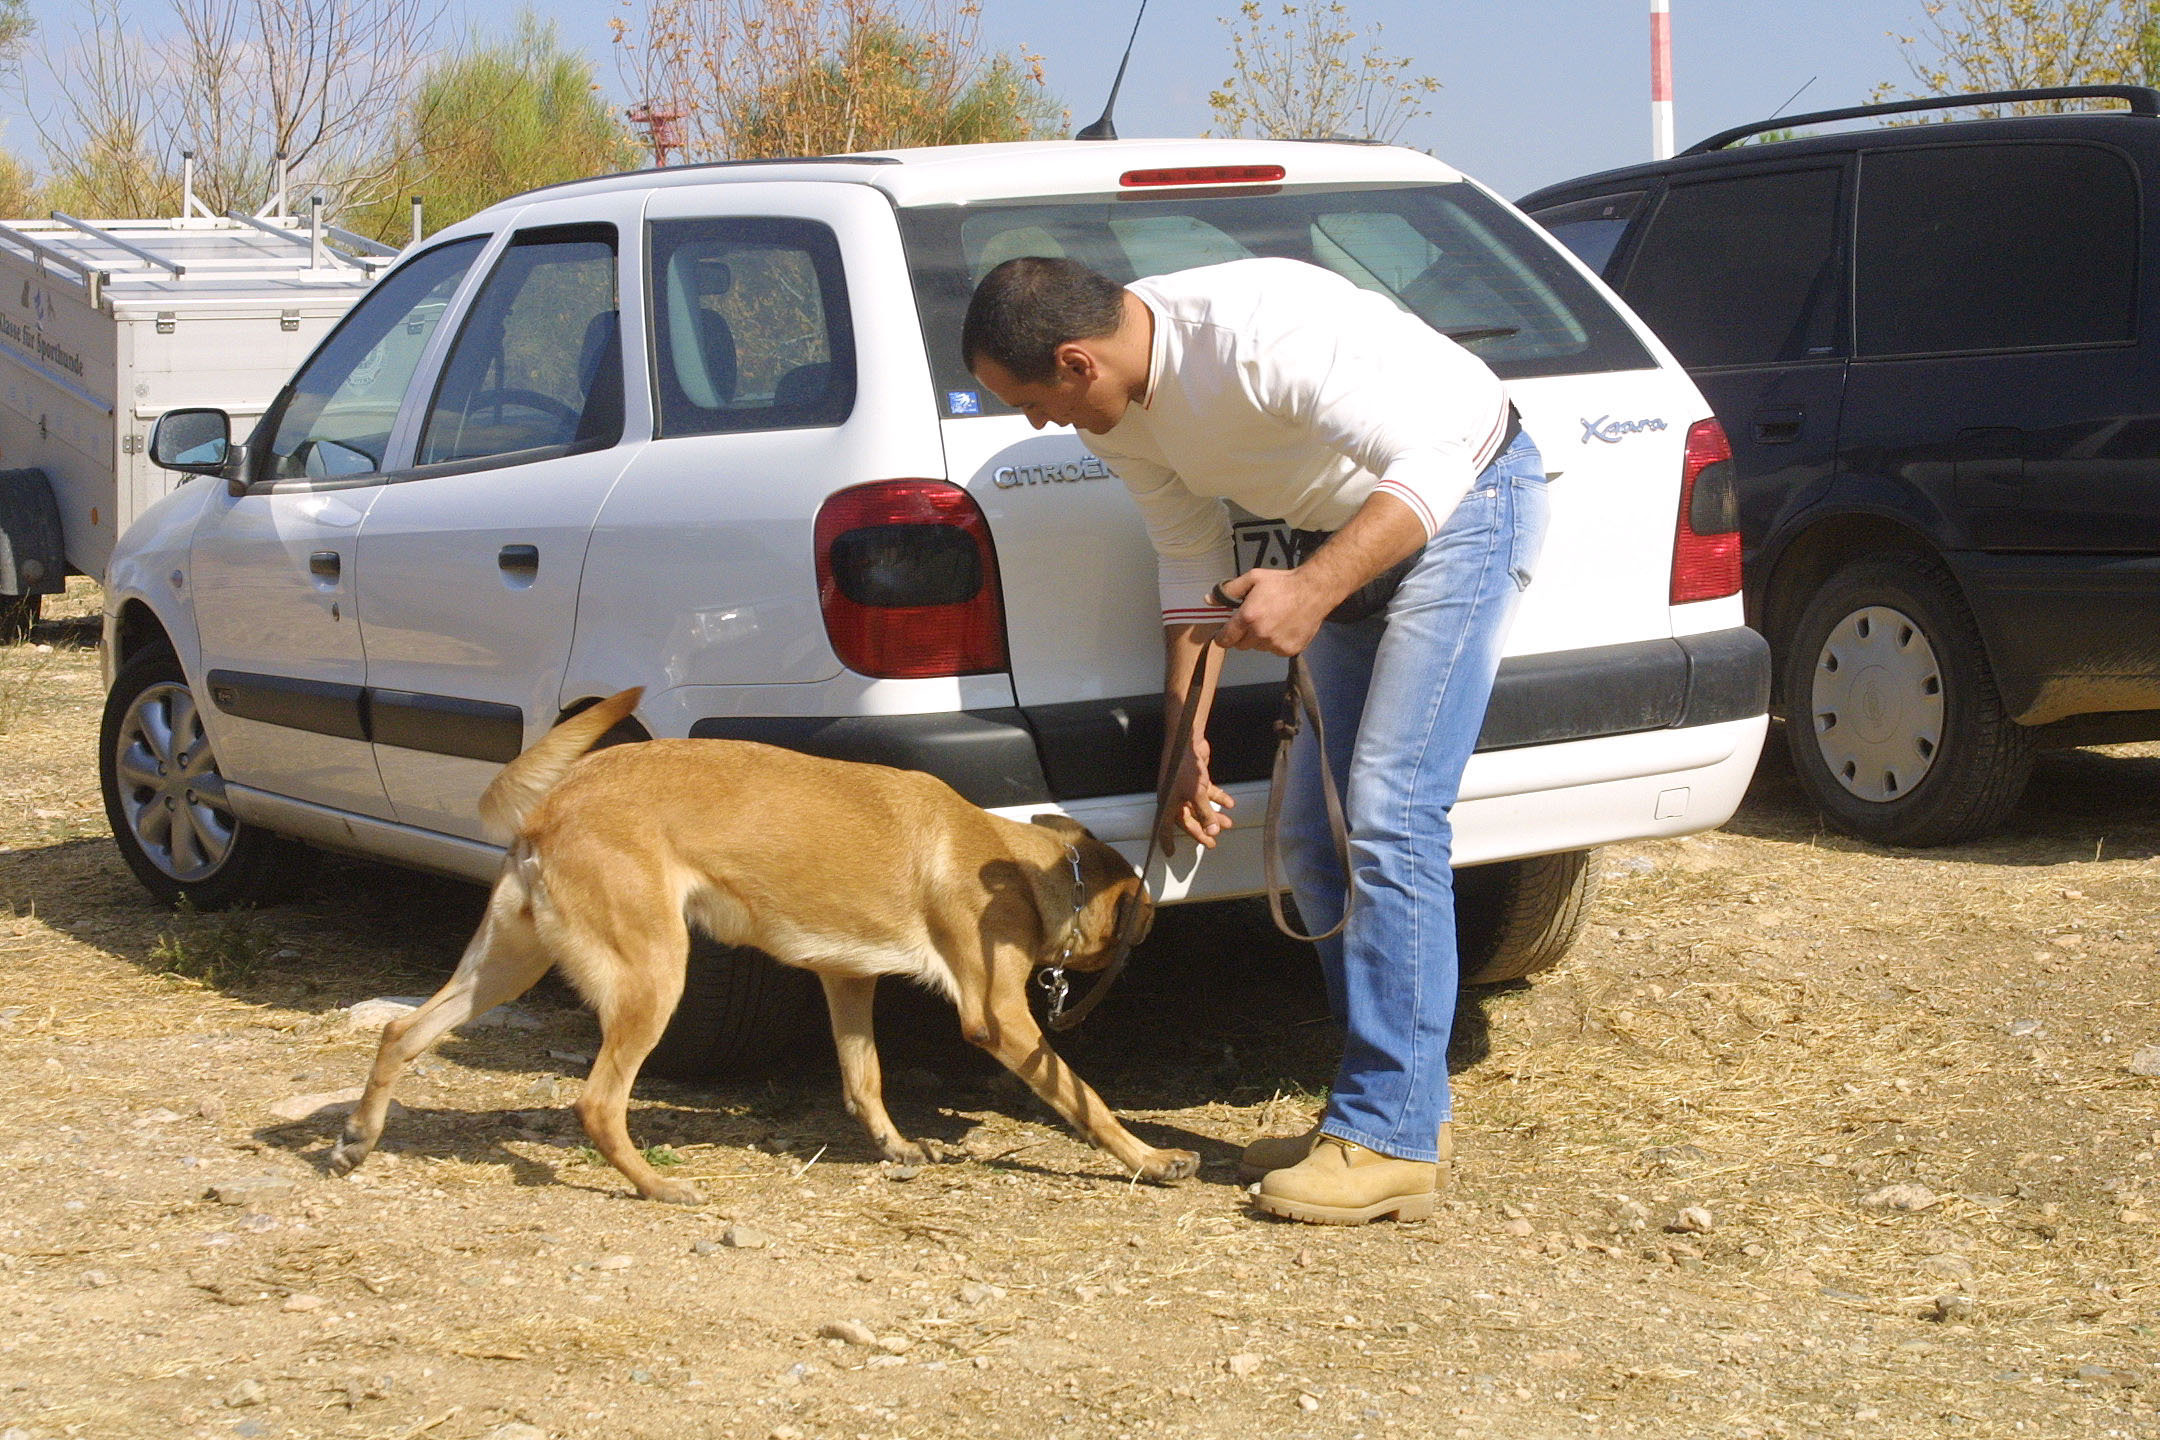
(1275,1152)
(1341,1183)
(1280,1152)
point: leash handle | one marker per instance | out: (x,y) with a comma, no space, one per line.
(1300,700)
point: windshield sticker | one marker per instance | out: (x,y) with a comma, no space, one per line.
(963,402)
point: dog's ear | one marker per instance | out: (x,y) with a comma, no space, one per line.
(1071,831)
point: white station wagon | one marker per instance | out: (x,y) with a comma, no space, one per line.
(706,430)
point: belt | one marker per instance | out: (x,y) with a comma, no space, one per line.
(1304,542)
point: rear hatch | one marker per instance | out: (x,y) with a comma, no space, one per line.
(1078,573)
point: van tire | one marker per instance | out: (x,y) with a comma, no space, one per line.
(221,862)
(1520,917)
(740,1010)
(1978,759)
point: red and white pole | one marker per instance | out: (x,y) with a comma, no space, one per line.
(1661,123)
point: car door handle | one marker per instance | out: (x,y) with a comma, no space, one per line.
(1778,427)
(519,562)
(325,564)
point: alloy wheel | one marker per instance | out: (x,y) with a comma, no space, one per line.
(170,792)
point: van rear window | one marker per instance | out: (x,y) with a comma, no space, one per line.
(1449,254)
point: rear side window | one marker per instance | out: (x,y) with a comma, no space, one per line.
(536,370)
(1592,228)
(1449,254)
(1993,247)
(750,326)
(1742,271)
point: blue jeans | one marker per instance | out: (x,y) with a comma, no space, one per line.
(1404,696)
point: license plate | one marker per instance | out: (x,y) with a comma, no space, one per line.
(1262,544)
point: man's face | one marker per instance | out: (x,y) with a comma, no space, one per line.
(1078,393)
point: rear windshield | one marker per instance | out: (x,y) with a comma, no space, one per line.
(1449,254)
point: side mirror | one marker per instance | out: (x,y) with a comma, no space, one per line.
(195,441)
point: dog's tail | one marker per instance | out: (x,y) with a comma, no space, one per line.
(525,781)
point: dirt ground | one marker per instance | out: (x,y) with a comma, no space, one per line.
(1805,1139)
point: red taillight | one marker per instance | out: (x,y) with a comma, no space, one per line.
(1706,540)
(1205,175)
(907,578)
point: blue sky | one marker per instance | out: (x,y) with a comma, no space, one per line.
(1534,90)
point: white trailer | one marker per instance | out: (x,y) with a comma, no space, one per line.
(106,325)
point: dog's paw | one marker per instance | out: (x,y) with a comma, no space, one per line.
(675,1192)
(904,1152)
(1166,1166)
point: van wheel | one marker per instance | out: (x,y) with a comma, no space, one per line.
(1520,917)
(740,1010)
(1893,718)
(17,614)
(165,797)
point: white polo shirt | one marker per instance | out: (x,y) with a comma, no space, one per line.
(1288,390)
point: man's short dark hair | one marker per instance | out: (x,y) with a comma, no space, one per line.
(1025,308)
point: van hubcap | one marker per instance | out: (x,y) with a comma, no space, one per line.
(1878,703)
(170,790)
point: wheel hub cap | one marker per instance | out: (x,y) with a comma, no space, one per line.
(171,793)
(1878,703)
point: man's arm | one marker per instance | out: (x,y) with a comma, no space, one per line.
(1280,611)
(1197,804)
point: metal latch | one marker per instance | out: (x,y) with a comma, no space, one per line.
(288,320)
(165,320)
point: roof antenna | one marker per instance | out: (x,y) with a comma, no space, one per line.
(1102,129)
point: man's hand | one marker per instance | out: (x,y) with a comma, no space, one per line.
(1197,805)
(1279,611)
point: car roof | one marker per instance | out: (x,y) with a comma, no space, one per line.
(2090,124)
(952,174)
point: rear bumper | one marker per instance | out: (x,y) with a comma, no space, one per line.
(1063,755)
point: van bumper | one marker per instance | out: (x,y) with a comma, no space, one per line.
(1031,758)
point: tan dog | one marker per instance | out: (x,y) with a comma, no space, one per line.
(851,871)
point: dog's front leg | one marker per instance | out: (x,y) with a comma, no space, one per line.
(850,999)
(1001,1023)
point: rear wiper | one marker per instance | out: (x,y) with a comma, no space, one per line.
(1490,332)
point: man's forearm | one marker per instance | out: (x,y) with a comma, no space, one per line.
(1382,533)
(1182,647)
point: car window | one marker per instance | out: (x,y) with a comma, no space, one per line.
(536,369)
(1592,228)
(750,326)
(1742,271)
(1989,247)
(335,419)
(1449,254)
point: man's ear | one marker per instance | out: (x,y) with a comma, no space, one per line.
(1075,359)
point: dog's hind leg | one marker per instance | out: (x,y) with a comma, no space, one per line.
(644,982)
(503,961)
(850,998)
(996,1017)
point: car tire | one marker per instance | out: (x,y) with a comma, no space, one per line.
(18,613)
(165,797)
(740,1010)
(1893,719)
(1519,917)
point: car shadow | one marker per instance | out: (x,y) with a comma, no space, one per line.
(2080,805)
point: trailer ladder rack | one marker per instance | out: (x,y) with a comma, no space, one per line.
(183,255)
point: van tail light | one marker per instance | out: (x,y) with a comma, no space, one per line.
(1706,539)
(908,581)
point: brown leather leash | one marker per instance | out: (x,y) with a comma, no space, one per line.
(1061,1018)
(1300,705)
